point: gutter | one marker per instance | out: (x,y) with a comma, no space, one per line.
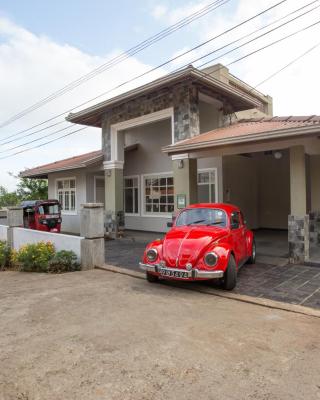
(269,135)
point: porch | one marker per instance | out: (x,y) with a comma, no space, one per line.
(271,277)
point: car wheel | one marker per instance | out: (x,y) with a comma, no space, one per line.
(252,258)
(230,276)
(151,278)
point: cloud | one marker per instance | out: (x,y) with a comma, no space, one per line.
(32,67)
(159,11)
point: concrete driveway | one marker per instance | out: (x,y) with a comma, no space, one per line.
(98,335)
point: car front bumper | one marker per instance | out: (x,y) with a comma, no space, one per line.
(193,274)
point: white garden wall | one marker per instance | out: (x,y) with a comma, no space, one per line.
(23,236)
(3,232)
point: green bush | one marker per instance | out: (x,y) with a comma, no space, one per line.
(34,257)
(5,255)
(63,261)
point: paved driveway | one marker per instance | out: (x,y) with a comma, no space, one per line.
(295,284)
(98,335)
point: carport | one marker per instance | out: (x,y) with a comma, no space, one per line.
(271,169)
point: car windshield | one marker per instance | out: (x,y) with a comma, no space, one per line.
(202,216)
(47,209)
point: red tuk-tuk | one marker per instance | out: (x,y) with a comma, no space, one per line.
(42,215)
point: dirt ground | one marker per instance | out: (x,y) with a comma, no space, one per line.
(99,335)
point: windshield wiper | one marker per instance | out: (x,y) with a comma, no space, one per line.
(215,223)
(196,222)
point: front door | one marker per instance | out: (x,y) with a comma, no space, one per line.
(99,189)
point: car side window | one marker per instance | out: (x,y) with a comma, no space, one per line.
(235,220)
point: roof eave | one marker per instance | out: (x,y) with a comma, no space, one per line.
(37,174)
(83,117)
(265,136)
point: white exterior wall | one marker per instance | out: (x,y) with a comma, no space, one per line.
(70,220)
(149,159)
(23,236)
(3,233)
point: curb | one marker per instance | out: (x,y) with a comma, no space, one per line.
(277,305)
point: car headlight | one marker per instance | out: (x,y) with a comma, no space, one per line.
(152,255)
(211,259)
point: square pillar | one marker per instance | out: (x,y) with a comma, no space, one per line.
(114,206)
(298,221)
(185,179)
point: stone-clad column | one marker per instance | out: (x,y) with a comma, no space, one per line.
(298,221)
(185,180)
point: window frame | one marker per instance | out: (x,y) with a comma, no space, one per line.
(75,210)
(143,202)
(139,201)
(216,189)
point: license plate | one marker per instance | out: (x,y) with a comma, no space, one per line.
(174,273)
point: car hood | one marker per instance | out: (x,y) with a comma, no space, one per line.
(185,244)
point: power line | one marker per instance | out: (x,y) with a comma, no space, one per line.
(118,59)
(233,62)
(288,65)
(204,56)
(150,70)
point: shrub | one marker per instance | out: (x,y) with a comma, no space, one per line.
(4,255)
(63,261)
(34,257)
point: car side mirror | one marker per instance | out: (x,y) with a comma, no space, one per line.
(170,224)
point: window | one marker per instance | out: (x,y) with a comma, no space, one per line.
(202,216)
(158,194)
(207,189)
(235,220)
(131,195)
(66,193)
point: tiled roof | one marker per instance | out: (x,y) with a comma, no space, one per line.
(80,161)
(245,128)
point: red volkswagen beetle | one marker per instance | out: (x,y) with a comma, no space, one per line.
(206,242)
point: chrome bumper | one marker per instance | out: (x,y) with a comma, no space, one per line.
(194,273)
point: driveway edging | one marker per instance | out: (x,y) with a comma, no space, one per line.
(297,309)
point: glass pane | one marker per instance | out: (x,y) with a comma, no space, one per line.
(148,208)
(171,199)
(163,208)
(66,184)
(170,181)
(135,182)
(136,201)
(148,182)
(170,190)
(73,200)
(60,185)
(163,181)
(128,200)
(155,182)
(170,208)
(128,183)
(163,199)
(72,183)
(155,208)
(203,177)
(148,199)
(66,200)
(148,191)
(212,177)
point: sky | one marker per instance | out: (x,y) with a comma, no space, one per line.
(46,45)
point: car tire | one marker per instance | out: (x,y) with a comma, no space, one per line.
(252,258)
(151,278)
(230,276)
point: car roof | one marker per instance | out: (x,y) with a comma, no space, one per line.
(229,208)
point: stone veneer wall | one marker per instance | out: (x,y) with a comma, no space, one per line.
(183,97)
(314,228)
(298,238)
